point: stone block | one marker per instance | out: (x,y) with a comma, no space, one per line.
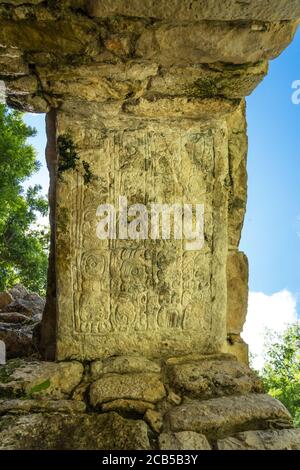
(185,440)
(185,10)
(220,417)
(146,387)
(39,379)
(142,297)
(211,378)
(236,346)
(121,405)
(237,291)
(53,431)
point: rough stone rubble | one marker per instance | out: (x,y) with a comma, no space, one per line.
(20,320)
(186,403)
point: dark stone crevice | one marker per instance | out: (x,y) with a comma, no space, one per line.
(48,327)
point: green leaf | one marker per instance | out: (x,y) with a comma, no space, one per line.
(40,387)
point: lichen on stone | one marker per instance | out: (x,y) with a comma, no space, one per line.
(87,175)
(7,370)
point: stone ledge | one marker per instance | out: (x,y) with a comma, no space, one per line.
(220,417)
(72,432)
(16,406)
(213,378)
(186,10)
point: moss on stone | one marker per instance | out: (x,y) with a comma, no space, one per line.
(63,219)
(68,157)
(87,175)
(7,370)
(203,88)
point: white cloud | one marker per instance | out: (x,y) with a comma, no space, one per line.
(274,312)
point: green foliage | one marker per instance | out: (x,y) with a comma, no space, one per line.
(39,388)
(281,373)
(23,246)
(7,370)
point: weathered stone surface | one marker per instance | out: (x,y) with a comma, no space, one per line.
(68,36)
(195,357)
(19,319)
(236,346)
(236,43)
(210,378)
(237,152)
(188,163)
(122,365)
(18,406)
(21,2)
(102,82)
(185,10)
(220,417)
(18,339)
(148,101)
(14,317)
(56,33)
(32,306)
(39,379)
(283,439)
(18,292)
(152,106)
(154,419)
(98,82)
(209,80)
(5,299)
(185,440)
(173,398)
(146,387)
(55,431)
(237,291)
(67,48)
(19,306)
(11,63)
(24,302)
(137,406)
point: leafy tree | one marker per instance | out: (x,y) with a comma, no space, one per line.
(281,373)
(23,244)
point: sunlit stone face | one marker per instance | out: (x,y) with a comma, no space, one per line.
(154,296)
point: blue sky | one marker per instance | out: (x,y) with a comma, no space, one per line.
(271,234)
(39,143)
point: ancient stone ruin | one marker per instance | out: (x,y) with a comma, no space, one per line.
(141,337)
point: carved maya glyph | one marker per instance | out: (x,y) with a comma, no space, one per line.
(140,338)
